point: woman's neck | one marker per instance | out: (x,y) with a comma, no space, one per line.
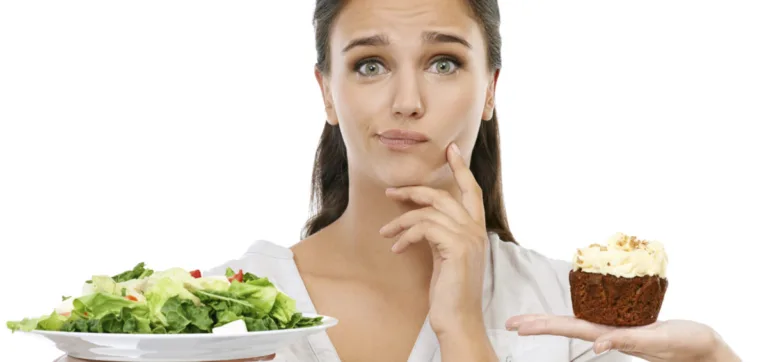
(356,235)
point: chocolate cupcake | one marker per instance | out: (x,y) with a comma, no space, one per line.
(619,284)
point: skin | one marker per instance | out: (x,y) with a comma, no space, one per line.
(411,243)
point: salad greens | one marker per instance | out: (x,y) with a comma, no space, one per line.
(173,301)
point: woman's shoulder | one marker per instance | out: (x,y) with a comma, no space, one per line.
(527,261)
(521,273)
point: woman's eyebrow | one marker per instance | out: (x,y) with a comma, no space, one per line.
(370,41)
(437,37)
(431,37)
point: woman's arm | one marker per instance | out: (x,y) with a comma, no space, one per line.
(723,353)
(668,341)
(454,227)
(466,344)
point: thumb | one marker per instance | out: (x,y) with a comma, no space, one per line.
(626,341)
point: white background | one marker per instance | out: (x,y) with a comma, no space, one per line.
(178,132)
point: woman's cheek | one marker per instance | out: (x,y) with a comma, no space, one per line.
(457,110)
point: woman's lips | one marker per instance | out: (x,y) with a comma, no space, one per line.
(398,139)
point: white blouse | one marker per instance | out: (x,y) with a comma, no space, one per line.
(517,281)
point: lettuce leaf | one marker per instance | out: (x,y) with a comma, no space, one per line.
(24,325)
(295,318)
(160,291)
(76,325)
(265,323)
(52,322)
(260,293)
(226,316)
(309,322)
(127,320)
(248,277)
(225,302)
(218,284)
(183,315)
(104,284)
(283,309)
(138,272)
(96,306)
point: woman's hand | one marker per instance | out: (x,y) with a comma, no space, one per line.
(66,358)
(676,340)
(455,230)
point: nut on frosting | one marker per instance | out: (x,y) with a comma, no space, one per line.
(623,256)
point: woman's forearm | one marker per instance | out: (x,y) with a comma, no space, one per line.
(466,344)
(723,353)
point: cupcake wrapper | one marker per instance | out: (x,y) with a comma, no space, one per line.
(617,301)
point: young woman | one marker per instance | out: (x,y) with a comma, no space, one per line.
(410,246)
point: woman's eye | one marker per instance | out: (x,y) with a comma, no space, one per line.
(443,66)
(371,68)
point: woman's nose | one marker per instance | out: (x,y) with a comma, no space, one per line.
(407,102)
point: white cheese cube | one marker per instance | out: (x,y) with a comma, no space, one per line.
(236,327)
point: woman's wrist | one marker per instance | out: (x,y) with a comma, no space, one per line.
(723,353)
(466,342)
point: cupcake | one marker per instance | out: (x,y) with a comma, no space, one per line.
(621,283)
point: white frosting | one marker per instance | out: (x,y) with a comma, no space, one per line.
(623,256)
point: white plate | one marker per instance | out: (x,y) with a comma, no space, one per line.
(179,347)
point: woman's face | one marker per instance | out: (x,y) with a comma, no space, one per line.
(407,78)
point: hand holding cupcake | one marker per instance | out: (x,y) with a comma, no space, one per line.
(617,290)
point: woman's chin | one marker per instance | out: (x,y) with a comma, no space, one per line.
(401,178)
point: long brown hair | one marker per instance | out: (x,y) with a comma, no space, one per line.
(330,177)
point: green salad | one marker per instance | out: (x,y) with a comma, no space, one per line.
(173,301)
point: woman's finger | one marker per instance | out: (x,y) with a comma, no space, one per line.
(514,322)
(634,340)
(427,196)
(471,193)
(565,326)
(414,217)
(425,230)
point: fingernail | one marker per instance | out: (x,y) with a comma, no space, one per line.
(513,324)
(455,148)
(386,229)
(602,347)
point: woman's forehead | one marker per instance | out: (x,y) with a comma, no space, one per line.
(404,21)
